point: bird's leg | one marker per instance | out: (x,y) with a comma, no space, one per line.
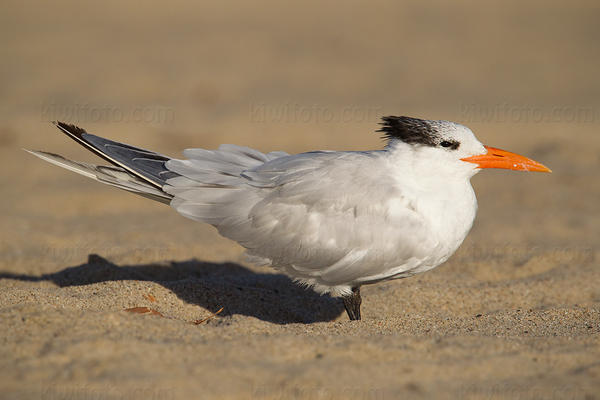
(352,304)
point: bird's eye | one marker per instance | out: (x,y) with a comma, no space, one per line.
(453,145)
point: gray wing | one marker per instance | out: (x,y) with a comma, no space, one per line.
(146,164)
(211,187)
(310,214)
(136,170)
(326,219)
(113,176)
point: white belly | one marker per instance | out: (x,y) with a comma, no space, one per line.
(357,241)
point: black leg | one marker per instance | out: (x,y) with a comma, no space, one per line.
(352,304)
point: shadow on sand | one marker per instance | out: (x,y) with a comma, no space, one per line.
(269,297)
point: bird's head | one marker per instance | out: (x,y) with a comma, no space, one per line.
(448,146)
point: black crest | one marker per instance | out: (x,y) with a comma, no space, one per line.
(410,130)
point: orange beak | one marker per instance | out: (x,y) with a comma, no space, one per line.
(497,158)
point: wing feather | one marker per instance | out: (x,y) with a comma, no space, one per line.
(303,213)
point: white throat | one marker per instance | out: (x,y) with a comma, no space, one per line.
(440,190)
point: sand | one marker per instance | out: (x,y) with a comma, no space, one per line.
(515,313)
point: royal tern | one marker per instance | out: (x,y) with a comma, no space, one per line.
(331,220)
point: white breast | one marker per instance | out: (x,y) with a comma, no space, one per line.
(332,220)
(359,221)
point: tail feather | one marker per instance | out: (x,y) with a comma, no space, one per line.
(145,164)
(113,176)
(205,187)
(136,170)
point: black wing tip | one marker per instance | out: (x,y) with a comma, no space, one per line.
(70,129)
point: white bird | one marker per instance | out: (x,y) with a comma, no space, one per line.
(332,220)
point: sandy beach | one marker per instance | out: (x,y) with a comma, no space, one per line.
(106,295)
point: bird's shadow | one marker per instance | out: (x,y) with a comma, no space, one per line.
(238,290)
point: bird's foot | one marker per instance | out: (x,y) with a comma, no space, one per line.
(352,304)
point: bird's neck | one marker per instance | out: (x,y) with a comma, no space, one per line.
(443,196)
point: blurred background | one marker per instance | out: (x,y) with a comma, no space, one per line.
(301,76)
(295,77)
